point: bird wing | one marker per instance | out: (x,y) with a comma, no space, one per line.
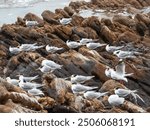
(120,68)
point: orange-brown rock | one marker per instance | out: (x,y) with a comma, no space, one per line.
(33,17)
(108,34)
(62,13)
(63,32)
(110,85)
(49,17)
(125,20)
(69,10)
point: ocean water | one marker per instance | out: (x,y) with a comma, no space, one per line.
(11,9)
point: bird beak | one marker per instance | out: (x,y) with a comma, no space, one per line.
(67,78)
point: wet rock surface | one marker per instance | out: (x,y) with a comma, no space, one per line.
(131,32)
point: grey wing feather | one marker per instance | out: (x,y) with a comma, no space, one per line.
(120,68)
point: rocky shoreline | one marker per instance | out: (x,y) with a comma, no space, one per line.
(132,32)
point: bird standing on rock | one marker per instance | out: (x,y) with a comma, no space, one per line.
(115,100)
(80,78)
(14,50)
(72,44)
(53,49)
(51,64)
(78,88)
(29,85)
(93,94)
(125,92)
(65,21)
(84,41)
(126,54)
(12,81)
(27,79)
(30,47)
(35,92)
(45,69)
(111,49)
(31,23)
(94,45)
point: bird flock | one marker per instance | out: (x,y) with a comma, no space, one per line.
(78,87)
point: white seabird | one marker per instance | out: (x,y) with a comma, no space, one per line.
(51,64)
(84,41)
(78,88)
(53,49)
(35,92)
(65,21)
(27,47)
(14,50)
(31,23)
(80,78)
(125,92)
(45,69)
(126,54)
(94,45)
(72,44)
(29,85)
(12,81)
(28,79)
(115,100)
(119,74)
(111,73)
(111,49)
(30,47)
(93,94)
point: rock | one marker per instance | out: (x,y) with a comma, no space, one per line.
(63,32)
(92,22)
(132,108)
(33,17)
(80,32)
(49,17)
(108,34)
(143,18)
(5,109)
(110,85)
(20,21)
(8,31)
(125,20)
(141,28)
(128,37)
(69,10)
(62,12)
(77,20)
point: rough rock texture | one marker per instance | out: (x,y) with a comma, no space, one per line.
(134,33)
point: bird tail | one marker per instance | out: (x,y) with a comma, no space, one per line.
(93,88)
(128,75)
(140,98)
(35,77)
(137,53)
(125,79)
(38,47)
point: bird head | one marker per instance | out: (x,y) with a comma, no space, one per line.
(116,52)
